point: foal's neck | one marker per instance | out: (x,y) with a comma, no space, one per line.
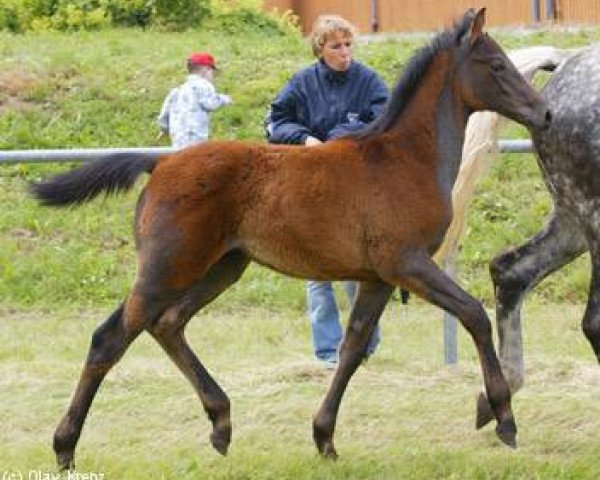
(451,120)
(437,117)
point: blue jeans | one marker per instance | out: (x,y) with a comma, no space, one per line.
(325,319)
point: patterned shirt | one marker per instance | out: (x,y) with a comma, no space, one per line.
(185,113)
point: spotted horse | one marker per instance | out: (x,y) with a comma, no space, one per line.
(568,155)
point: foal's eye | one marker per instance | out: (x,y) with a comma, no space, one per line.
(497,66)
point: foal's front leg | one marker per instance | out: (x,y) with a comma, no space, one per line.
(422,276)
(368,306)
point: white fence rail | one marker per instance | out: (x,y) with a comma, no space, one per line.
(74,154)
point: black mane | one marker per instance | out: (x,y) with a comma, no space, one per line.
(413,74)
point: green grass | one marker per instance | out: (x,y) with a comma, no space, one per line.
(404,415)
(105,89)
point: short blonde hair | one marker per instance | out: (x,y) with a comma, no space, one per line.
(323,26)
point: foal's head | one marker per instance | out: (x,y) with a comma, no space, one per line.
(488,80)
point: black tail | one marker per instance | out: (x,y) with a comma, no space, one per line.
(110,174)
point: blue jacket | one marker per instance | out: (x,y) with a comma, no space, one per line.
(323,103)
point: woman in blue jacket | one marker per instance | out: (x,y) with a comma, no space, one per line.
(332,97)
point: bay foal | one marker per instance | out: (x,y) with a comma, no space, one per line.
(382,198)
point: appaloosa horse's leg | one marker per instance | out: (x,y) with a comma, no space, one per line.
(370,301)
(422,276)
(108,345)
(515,273)
(169,332)
(591,318)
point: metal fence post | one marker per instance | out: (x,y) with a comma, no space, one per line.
(450,323)
(535,10)
(550,10)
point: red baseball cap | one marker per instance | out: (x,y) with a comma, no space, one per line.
(202,59)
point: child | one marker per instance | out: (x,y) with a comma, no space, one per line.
(185,114)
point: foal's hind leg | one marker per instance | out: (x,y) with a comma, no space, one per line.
(422,276)
(368,306)
(108,345)
(169,332)
(516,272)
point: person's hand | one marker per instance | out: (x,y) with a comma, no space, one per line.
(226,99)
(312,141)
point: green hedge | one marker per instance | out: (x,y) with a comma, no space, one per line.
(19,16)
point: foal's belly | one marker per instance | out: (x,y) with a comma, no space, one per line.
(308,263)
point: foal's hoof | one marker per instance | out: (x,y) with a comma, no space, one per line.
(484,412)
(65,461)
(324,444)
(327,450)
(507,433)
(220,440)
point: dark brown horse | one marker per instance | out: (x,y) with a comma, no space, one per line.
(382,199)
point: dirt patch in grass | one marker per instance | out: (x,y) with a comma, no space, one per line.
(14,83)
(21,233)
(22,89)
(15,87)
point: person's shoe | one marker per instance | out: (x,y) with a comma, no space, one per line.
(330,363)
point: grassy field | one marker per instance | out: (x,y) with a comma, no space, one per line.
(405,414)
(106,88)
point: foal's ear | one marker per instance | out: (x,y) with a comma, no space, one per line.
(477,26)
